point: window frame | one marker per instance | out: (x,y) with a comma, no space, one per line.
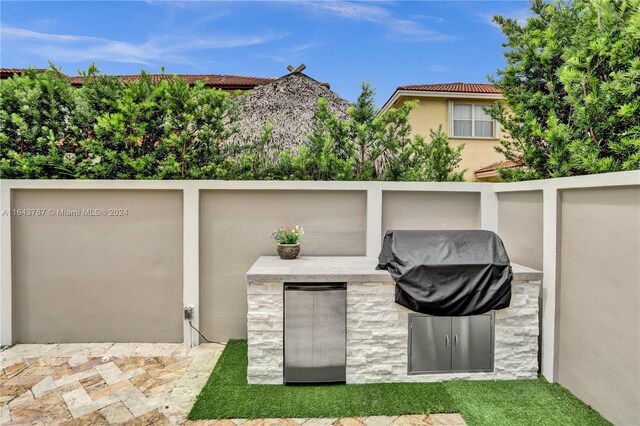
(473,104)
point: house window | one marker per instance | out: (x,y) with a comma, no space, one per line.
(471,121)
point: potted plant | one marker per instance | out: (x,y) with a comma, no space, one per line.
(288,238)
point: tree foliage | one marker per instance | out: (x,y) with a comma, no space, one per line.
(374,145)
(434,161)
(167,129)
(572,89)
(328,153)
(108,129)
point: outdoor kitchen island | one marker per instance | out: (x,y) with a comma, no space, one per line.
(378,346)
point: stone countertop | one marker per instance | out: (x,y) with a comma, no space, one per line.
(352,269)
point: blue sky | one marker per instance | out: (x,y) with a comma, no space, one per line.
(387,43)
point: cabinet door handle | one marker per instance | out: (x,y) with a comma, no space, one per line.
(446,341)
(455,342)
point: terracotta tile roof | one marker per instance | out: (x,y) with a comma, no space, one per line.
(507,164)
(219,81)
(8,72)
(19,70)
(454,87)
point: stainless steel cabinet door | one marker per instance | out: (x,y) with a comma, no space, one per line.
(472,345)
(430,344)
(314,334)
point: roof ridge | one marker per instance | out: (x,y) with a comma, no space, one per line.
(442,84)
(236,75)
(22,70)
(15,70)
(172,74)
(323,84)
(459,87)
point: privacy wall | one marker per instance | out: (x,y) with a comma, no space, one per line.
(111,274)
(78,274)
(520,226)
(408,210)
(599,300)
(236,229)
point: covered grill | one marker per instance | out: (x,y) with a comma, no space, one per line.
(448,273)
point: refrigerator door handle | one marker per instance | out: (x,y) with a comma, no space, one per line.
(313,288)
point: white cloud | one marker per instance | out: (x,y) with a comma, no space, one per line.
(436,19)
(405,29)
(212,17)
(28,34)
(81,48)
(520,15)
(274,58)
(415,31)
(289,56)
(349,10)
(303,47)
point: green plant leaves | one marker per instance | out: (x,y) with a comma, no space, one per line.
(167,129)
(572,88)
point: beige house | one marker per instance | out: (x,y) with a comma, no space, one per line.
(458,107)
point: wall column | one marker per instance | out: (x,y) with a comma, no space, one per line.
(374,221)
(551,198)
(191,261)
(6,289)
(489,211)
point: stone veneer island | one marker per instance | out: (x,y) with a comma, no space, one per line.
(377,327)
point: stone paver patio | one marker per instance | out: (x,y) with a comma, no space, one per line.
(133,384)
(102,383)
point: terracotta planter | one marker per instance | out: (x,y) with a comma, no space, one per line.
(288,251)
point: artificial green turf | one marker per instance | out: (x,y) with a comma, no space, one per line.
(524,402)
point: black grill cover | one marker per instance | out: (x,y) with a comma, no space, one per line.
(448,273)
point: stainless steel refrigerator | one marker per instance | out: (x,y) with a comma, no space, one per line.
(315,332)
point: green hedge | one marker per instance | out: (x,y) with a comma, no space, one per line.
(167,129)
